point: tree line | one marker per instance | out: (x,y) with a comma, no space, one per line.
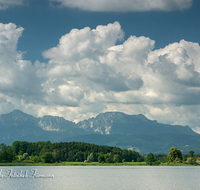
(47,152)
(68,151)
(174,156)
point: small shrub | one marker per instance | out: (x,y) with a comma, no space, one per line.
(27,161)
(117,158)
(178,160)
(21,152)
(20,158)
(90,157)
(156,163)
(16,161)
(25,156)
(36,159)
(191,161)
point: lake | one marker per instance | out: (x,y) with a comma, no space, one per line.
(100,177)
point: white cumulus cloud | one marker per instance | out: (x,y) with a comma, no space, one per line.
(87,73)
(85,43)
(127,5)
(4,4)
(18,77)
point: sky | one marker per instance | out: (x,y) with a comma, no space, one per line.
(76,59)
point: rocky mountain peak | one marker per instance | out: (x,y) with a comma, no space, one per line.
(54,123)
(16,116)
(109,128)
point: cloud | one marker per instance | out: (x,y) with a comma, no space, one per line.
(17,76)
(74,65)
(127,5)
(4,4)
(177,66)
(87,73)
(132,73)
(79,44)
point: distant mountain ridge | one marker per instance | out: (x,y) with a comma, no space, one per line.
(123,124)
(21,126)
(54,123)
(48,123)
(111,128)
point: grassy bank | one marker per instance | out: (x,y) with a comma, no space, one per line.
(90,164)
(75,164)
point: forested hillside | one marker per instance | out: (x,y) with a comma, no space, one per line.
(64,151)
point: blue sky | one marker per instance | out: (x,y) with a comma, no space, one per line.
(44,24)
(76,59)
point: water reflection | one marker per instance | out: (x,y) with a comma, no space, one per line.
(105,177)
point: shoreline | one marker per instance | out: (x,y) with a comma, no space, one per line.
(93,164)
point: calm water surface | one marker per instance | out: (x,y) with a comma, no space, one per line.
(104,178)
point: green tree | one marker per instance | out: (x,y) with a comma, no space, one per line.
(25,155)
(174,154)
(23,145)
(164,159)
(117,158)
(21,152)
(10,155)
(47,157)
(150,159)
(140,159)
(2,146)
(90,157)
(101,158)
(6,154)
(20,157)
(56,155)
(15,146)
(191,160)
(107,158)
(36,159)
(191,154)
(45,148)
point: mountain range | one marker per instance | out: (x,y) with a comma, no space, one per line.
(135,132)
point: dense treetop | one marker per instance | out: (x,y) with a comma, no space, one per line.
(72,151)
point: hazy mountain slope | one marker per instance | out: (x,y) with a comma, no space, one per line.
(17,124)
(50,123)
(159,143)
(21,126)
(120,123)
(111,128)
